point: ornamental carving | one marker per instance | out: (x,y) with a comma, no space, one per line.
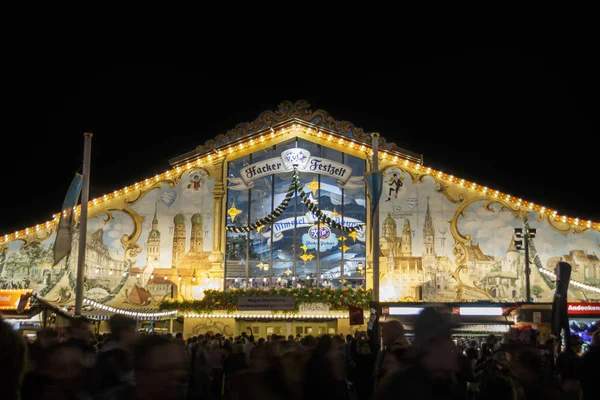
(286,111)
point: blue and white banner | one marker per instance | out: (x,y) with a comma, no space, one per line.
(375,185)
(307,221)
(304,162)
(64,232)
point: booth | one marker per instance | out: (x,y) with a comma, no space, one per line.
(584,320)
(475,320)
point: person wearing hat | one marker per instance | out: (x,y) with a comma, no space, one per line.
(434,368)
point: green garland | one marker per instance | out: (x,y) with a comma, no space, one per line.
(537,261)
(276,212)
(323,217)
(218,300)
(296,186)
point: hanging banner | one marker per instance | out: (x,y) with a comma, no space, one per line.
(375,185)
(304,162)
(307,221)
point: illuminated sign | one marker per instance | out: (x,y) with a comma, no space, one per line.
(9,299)
(404,310)
(304,162)
(583,308)
(481,311)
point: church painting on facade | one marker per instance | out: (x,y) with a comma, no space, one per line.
(441,238)
(167,259)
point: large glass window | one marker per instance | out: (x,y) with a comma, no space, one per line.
(296,250)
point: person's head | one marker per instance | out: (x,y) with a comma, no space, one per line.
(80,329)
(502,359)
(179,336)
(576,344)
(596,338)
(160,368)
(471,352)
(393,332)
(433,343)
(238,348)
(47,337)
(124,329)
(491,340)
(63,364)
(349,338)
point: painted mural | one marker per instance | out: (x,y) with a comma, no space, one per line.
(440,238)
(445,242)
(142,248)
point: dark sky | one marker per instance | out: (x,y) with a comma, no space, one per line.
(502,98)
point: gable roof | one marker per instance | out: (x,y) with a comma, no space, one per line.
(291,118)
(288,113)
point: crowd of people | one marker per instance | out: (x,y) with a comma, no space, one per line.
(376,364)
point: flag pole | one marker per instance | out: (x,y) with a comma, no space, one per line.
(85,193)
(375,219)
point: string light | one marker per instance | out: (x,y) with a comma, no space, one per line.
(134,314)
(268,316)
(259,138)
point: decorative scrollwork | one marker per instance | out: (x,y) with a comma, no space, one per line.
(171,182)
(462,286)
(286,111)
(109,216)
(443,189)
(129,242)
(460,250)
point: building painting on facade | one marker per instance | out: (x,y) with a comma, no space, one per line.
(441,239)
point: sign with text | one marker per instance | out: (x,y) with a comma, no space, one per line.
(311,307)
(583,308)
(9,299)
(266,303)
(304,162)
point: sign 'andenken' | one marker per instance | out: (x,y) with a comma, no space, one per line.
(583,308)
(266,303)
(304,162)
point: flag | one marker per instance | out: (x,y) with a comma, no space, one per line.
(375,183)
(64,232)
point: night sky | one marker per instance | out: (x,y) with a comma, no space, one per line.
(501,98)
